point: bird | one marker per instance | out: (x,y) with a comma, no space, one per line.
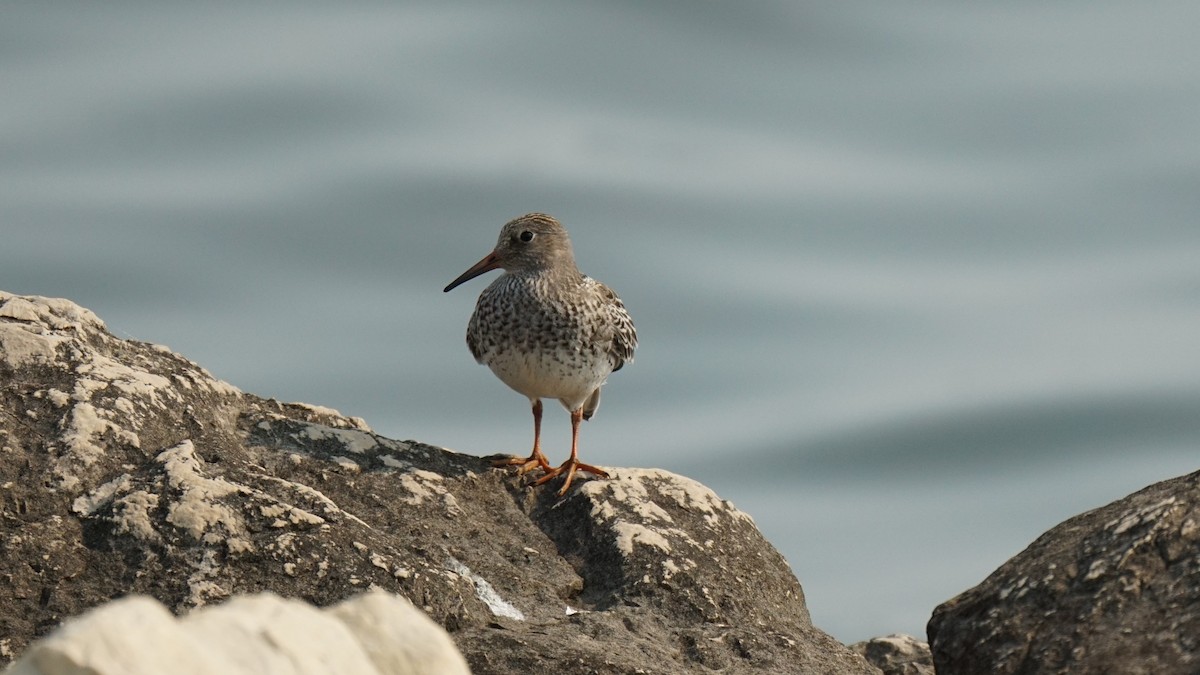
(547,331)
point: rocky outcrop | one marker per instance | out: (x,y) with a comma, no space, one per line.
(375,633)
(1113,590)
(897,654)
(127,469)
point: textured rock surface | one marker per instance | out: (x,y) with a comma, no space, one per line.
(128,469)
(897,654)
(1114,590)
(376,633)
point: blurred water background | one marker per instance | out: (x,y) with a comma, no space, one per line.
(914,281)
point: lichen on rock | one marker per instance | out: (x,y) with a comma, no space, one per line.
(131,470)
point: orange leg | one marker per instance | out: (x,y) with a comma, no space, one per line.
(536,460)
(572,465)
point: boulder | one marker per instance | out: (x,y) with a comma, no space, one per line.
(127,469)
(376,633)
(1114,590)
(897,654)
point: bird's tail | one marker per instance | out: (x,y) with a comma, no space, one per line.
(592,404)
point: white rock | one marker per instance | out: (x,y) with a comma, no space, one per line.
(131,636)
(373,634)
(399,638)
(267,634)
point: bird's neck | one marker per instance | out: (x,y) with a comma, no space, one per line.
(553,278)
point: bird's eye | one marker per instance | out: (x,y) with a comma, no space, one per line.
(526,236)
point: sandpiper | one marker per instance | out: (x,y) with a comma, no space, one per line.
(547,331)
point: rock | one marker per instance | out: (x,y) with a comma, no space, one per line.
(1114,590)
(127,469)
(897,654)
(373,634)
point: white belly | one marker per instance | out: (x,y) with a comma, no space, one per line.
(570,378)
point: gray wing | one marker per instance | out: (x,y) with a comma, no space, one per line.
(622,336)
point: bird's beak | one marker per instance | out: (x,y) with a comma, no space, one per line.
(490,262)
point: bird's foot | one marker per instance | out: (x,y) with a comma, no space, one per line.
(569,467)
(524,464)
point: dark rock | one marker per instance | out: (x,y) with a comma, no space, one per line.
(1114,590)
(125,468)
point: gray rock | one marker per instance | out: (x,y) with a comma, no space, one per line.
(897,654)
(127,469)
(1114,590)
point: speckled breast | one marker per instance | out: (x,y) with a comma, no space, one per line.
(538,345)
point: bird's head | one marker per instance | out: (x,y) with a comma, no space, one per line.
(530,244)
